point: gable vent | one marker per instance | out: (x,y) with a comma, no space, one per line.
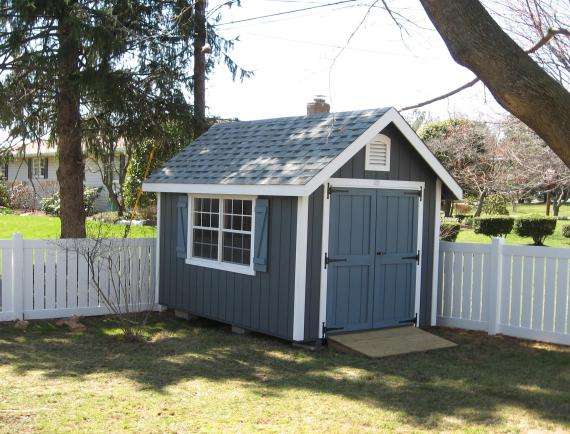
(378,154)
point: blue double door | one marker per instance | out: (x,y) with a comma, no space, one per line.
(372,258)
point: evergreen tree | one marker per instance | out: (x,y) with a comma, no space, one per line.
(89,72)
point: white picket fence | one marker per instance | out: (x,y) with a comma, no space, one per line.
(41,279)
(520,291)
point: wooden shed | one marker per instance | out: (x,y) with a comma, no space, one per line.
(301,226)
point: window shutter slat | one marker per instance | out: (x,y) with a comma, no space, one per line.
(182,226)
(260,258)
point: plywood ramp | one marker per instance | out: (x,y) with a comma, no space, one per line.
(388,342)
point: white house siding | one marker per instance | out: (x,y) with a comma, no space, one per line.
(18,172)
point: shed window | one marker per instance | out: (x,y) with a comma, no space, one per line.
(378,154)
(221,233)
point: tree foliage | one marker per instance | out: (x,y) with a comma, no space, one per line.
(87,73)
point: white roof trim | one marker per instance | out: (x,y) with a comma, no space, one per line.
(391,116)
(253,189)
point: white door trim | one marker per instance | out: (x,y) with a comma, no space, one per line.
(435,271)
(300,268)
(375,184)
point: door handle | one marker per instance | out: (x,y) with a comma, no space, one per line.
(380,253)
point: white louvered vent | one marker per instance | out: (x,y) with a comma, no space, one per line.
(378,154)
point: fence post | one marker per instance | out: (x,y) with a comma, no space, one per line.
(18,275)
(494,286)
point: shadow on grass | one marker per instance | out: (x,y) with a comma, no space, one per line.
(469,382)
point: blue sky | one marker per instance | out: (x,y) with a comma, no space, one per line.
(292,55)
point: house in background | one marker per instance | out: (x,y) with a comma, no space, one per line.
(302,226)
(37,167)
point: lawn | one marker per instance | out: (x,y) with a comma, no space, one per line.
(555,240)
(42,227)
(200,377)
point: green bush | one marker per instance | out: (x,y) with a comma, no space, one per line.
(493,226)
(535,227)
(51,204)
(496,204)
(448,231)
(4,194)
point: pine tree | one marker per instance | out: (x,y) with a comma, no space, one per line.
(86,73)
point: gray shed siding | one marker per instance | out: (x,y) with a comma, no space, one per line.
(405,165)
(262,303)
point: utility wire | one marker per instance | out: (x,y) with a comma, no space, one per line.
(285,12)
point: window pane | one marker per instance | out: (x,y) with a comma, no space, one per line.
(237,207)
(215,205)
(247,224)
(198,204)
(247,207)
(215,220)
(236,248)
(227,206)
(236,222)
(205,243)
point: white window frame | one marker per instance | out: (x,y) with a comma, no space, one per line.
(38,168)
(380,138)
(219,264)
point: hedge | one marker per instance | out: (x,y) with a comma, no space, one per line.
(493,226)
(535,227)
(448,231)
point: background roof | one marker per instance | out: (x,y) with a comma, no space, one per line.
(283,151)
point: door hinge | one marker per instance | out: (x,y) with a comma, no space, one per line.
(328,260)
(419,193)
(413,320)
(416,257)
(329,329)
(331,190)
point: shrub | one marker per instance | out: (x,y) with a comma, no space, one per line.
(535,227)
(566,231)
(463,208)
(4,195)
(468,220)
(493,226)
(448,231)
(22,196)
(51,204)
(496,204)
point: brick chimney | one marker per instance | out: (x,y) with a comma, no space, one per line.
(318,105)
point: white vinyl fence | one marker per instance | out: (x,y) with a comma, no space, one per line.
(520,291)
(42,279)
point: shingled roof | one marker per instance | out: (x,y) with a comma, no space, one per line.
(283,151)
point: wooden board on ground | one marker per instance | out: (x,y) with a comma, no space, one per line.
(388,342)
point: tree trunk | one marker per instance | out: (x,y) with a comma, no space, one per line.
(548,197)
(70,173)
(199,68)
(518,83)
(107,177)
(480,202)
(447,208)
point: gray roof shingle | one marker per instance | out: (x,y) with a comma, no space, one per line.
(283,151)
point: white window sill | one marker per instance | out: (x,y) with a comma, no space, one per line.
(234,268)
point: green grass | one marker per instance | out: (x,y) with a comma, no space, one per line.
(201,377)
(43,227)
(555,240)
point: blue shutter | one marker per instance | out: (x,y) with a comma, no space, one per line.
(182,226)
(261,241)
